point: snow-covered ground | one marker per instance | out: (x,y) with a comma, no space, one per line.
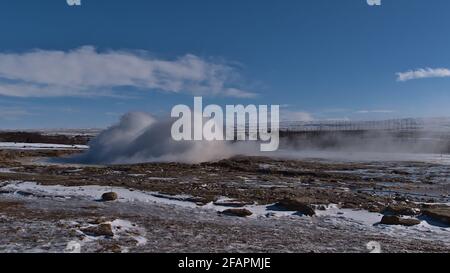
(359,219)
(62,131)
(39,146)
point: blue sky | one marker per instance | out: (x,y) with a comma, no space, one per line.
(64,66)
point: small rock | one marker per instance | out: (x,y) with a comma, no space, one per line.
(114,248)
(100,230)
(109,196)
(237,212)
(297,205)
(396,220)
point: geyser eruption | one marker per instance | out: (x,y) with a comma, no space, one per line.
(139,137)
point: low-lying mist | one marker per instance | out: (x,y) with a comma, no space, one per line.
(140,138)
(386,141)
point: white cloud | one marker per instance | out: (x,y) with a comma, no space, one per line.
(87,72)
(338,119)
(375,111)
(237,93)
(423,73)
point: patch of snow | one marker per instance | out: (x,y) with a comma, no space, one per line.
(38,146)
(160,178)
(123,228)
(95,193)
(6,170)
(358,216)
(136,175)
(74,171)
(371,220)
(265,166)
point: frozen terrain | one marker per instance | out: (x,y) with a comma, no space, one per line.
(295,200)
(59,217)
(171,207)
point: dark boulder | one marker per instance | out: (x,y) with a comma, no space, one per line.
(109,196)
(237,212)
(401,210)
(441,214)
(302,206)
(396,220)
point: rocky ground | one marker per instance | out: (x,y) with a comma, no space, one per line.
(238,205)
